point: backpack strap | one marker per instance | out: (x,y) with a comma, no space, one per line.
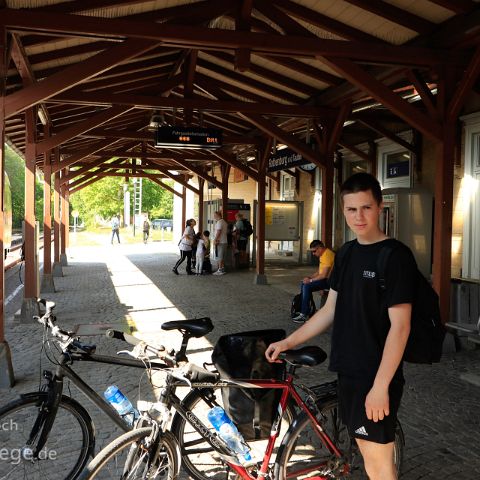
(342,256)
(382,263)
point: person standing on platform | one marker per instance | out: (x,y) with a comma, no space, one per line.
(115,228)
(185,244)
(220,242)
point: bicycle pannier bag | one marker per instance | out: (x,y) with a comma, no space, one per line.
(242,355)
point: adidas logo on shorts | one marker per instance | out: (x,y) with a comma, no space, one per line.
(361,431)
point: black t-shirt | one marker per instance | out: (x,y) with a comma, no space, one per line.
(361,322)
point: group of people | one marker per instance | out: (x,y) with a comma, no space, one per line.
(115,224)
(195,249)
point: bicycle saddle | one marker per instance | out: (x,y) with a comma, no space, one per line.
(197,327)
(306,356)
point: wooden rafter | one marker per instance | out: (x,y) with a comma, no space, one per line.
(142,101)
(195,37)
(294,143)
(73,75)
(360,77)
(79,128)
(243,24)
(395,15)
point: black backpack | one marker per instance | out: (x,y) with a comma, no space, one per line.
(247,229)
(296,307)
(427,331)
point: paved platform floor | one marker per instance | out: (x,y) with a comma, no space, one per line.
(134,284)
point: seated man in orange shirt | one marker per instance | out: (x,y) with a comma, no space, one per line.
(317,281)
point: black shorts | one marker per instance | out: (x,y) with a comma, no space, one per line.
(351,397)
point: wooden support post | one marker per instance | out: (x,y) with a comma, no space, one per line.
(7,378)
(201,184)
(225,169)
(260,277)
(184,208)
(31,283)
(442,237)
(57,267)
(63,221)
(47,285)
(327,199)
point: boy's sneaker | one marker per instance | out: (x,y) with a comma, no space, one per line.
(220,271)
(300,318)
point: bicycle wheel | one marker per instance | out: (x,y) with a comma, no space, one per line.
(69,444)
(129,457)
(198,458)
(303,455)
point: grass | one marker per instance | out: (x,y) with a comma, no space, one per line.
(102,235)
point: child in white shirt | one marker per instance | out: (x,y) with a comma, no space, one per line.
(200,255)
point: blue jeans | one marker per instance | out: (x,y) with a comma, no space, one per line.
(307,289)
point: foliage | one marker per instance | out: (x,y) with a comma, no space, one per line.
(104,198)
(15,169)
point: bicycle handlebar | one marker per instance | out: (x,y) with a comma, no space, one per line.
(158,352)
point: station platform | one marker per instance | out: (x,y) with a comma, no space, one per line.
(132,286)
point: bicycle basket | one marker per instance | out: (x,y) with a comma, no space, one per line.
(242,355)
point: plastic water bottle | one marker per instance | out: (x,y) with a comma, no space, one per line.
(229,432)
(121,404)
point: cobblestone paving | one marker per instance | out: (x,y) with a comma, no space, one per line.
(133,284)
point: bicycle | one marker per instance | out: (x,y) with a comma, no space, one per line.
(32,427)
(316,444)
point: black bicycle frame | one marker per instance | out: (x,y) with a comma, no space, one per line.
(47,415)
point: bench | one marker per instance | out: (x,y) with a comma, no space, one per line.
(469,330)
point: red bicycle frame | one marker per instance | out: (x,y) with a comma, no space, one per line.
(288,390)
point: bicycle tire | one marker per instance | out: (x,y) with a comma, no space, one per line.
(198,457)
(311,452)
(58,459)
(135,465)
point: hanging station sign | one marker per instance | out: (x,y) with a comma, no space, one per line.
(188,137)
(286,158)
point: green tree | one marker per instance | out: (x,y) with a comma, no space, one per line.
(15,169)
(105,198)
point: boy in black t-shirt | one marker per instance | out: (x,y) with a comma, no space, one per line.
(370,328)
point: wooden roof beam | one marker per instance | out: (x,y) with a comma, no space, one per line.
(395,15)
(141,101)
(79,128)
(467,82)
(232,161)
(424,91)
(326,23)
(294,143)
(388,134)
(81,155)
(199,171)
(177,178)
(213,38)
(457,6)
(362,79)
(243,23)
(73,75)
(189,76)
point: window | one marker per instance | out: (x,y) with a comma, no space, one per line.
(470,197)
(394,163)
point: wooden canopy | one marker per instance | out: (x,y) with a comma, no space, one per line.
(81,80)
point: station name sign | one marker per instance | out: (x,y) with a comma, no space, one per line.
(284,159)
(188,137)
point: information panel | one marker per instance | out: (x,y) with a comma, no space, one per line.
(282,220)
(188,137)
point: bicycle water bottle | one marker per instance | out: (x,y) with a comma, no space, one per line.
(229,432)
(121,404)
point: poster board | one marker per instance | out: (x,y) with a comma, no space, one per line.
(282,220)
